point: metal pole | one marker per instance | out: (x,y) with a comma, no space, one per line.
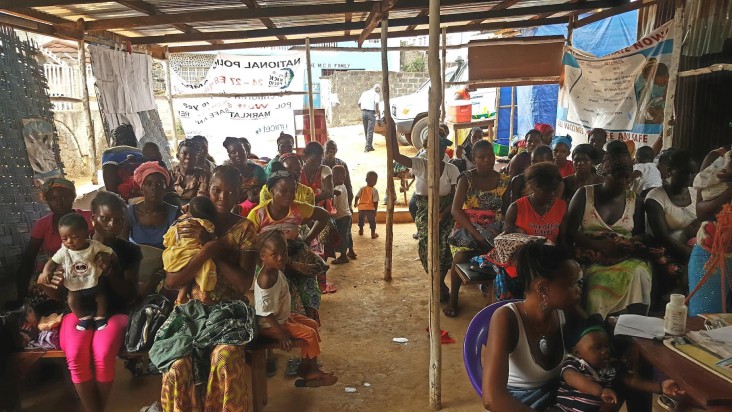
(310,91)
(433,205)
(390,192)
(85,105)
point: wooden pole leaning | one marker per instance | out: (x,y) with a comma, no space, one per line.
(433,205)
(311,109)
(443,76)
(390,134)
(169,97)
(673,72)
(85,105)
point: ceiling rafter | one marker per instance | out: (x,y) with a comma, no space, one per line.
(421,13)
(268,23)
(348,18)
(400,22)
(500,6)
(152,10)
(353,37)
(20,4)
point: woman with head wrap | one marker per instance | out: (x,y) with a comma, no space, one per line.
(120,161)
(547,133)
(286,214)
(583,157)
(59,194)
(449,174)
(226,385)
(602,219)
(253,176)
(149,219)
(561,146)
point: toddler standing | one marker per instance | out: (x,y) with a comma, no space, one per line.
(342,216)
(367,202)
(276,320)
(83,261)
(180,250)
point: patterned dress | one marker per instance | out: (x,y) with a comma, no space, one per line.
(228,381)
(190,186)
(483,208)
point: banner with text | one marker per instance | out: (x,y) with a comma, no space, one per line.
(623,92)
(258,118)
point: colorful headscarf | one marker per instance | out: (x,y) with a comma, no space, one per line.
(444,143)
(543,128)
(55,182)
(567,140)
(148,168)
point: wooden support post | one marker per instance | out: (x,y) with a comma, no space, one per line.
(311,109)
(85,105)
(433,205)
(390,192)
(673,73)
(444,79)
(169,96)
(570,29)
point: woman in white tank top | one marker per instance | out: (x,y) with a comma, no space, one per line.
(525,348)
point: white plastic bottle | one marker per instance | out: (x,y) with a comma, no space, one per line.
(675,320)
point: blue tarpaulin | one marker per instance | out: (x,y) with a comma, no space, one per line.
(538,104)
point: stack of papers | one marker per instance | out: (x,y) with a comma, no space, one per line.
(640,326)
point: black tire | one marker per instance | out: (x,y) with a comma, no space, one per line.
(402,139)
(419,131)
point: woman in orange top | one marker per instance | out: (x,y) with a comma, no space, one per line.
(541,213)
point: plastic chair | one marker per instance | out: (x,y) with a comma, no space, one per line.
(475,338)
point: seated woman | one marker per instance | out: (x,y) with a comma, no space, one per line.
(59,194)
(519,188)
(714,195)
(285,214)
(120,161)
(93,380)
(521,361)
(203,160)
(285,145)
(522,160)
(597,138)
(252,174)
(601,220)
(476,208)
(148,220)
(464,151)
(317,175)
(561,147)
(583,158)
(449,175)
(189,181)
(293,164)
(232,249)
(671,214)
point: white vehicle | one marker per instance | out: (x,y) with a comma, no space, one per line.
(410,112)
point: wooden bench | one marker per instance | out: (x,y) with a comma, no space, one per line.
(473,277)
(256,356)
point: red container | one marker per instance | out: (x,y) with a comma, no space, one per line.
(460,113)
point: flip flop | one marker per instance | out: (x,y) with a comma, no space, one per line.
(339,261)
(329,288)
(352,255)
(293,365)
(326,380)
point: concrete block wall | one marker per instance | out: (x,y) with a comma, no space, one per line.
(349,85)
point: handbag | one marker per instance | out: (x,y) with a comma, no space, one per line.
(145,320)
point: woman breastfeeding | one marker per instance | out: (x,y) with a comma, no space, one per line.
(521,362)
(252,174)
(148,220)
(91,355)
(602,218)
(232,250)
(476,208)
(286,214)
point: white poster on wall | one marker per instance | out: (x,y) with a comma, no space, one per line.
(258,118)
(623,92)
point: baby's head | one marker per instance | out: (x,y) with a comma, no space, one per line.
(272,248)
(151,151)
(592,344)
(339,175)
(371,178)
(644,154)
(542,154)
(202,207)
(74,231)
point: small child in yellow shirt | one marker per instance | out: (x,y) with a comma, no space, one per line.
(367,202)
(180,250)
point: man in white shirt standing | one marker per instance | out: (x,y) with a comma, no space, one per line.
(369,105)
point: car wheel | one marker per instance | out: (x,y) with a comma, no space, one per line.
(402,139)
(420,132)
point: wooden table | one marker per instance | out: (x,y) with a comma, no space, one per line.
(703,389)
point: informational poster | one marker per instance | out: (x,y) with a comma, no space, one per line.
(623,92)
(38,136)
(258,118)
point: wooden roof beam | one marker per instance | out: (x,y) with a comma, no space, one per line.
(268,23)
(378,13)
(33,14)
(500,6)
(21,23)
(354,37)
(348,18)
(19,4)
(421,13)
(403,22)
(614,11)
(151,10)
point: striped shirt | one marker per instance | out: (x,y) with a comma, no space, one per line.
(570,399)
